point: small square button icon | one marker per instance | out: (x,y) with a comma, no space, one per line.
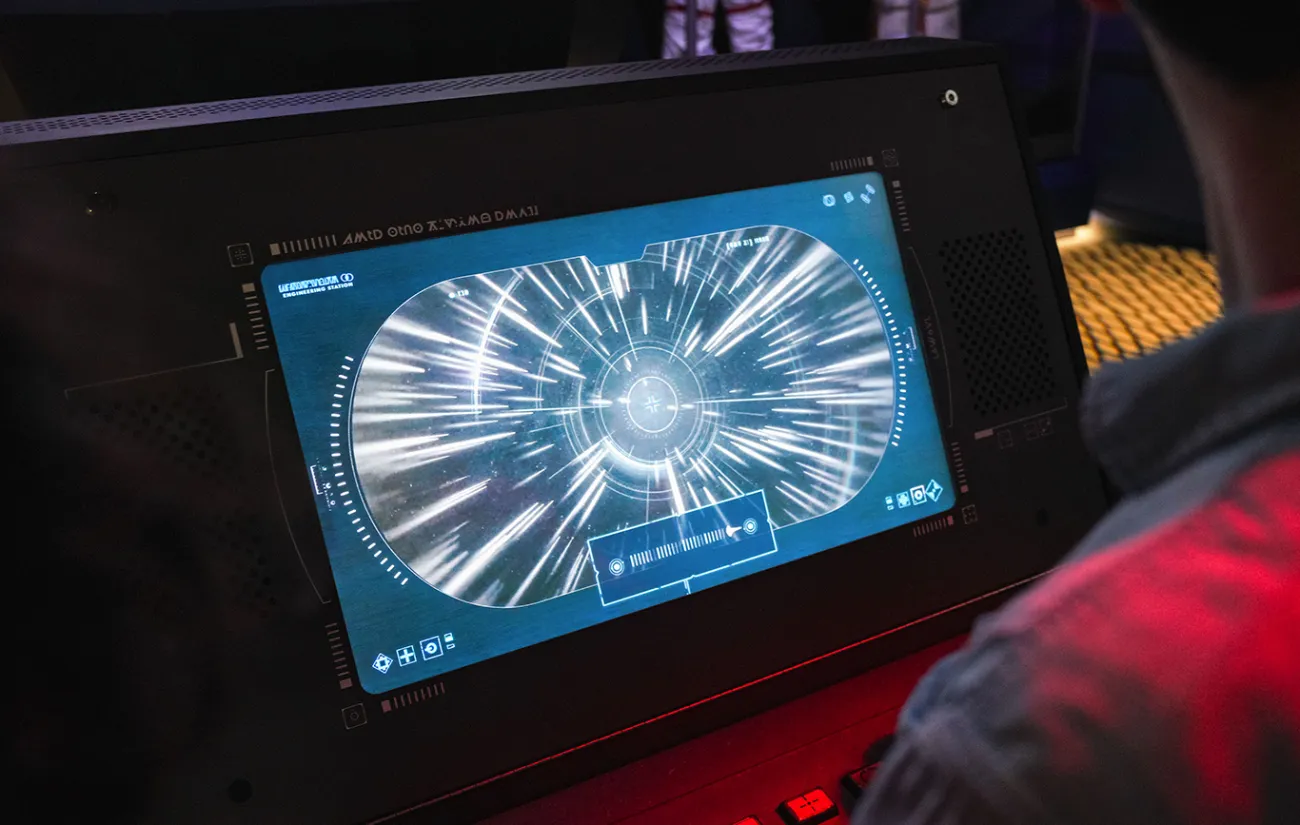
(240,254)
(354,716)
(431,648)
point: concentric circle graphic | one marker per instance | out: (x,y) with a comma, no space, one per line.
(652,404)
(502,419)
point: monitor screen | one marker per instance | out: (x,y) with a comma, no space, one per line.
(516,433)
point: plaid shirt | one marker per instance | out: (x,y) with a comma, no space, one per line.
(1155,676)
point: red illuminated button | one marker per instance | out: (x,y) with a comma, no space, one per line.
(749,820)
(808,809)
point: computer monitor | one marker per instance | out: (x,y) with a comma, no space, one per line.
(418,449)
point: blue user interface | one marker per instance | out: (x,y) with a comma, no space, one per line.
(520,432)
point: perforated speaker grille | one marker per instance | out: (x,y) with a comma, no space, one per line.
(174,440)
(1001,331)
(175,425)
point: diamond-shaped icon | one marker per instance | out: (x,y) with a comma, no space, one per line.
(382,662)
(406,655)
(933,490)
(918,495)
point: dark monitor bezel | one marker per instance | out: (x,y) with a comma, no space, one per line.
(946,583)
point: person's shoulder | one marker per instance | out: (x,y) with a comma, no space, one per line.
(1112,669)
(1242,730)
(1196,576)
(1087,692)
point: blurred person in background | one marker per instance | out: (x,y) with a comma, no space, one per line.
(749,26)
(918,18)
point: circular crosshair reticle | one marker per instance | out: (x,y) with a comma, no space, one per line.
(500,420)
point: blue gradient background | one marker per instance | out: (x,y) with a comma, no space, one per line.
(315,332)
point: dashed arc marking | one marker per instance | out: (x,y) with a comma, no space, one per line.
(362,532)
(900,364)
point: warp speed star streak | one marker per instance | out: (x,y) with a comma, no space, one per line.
(502,419)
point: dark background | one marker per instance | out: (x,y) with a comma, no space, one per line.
(72,56)
(63,57)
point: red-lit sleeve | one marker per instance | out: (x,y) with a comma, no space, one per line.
(1244,724)
(919,785)
(1156,680)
